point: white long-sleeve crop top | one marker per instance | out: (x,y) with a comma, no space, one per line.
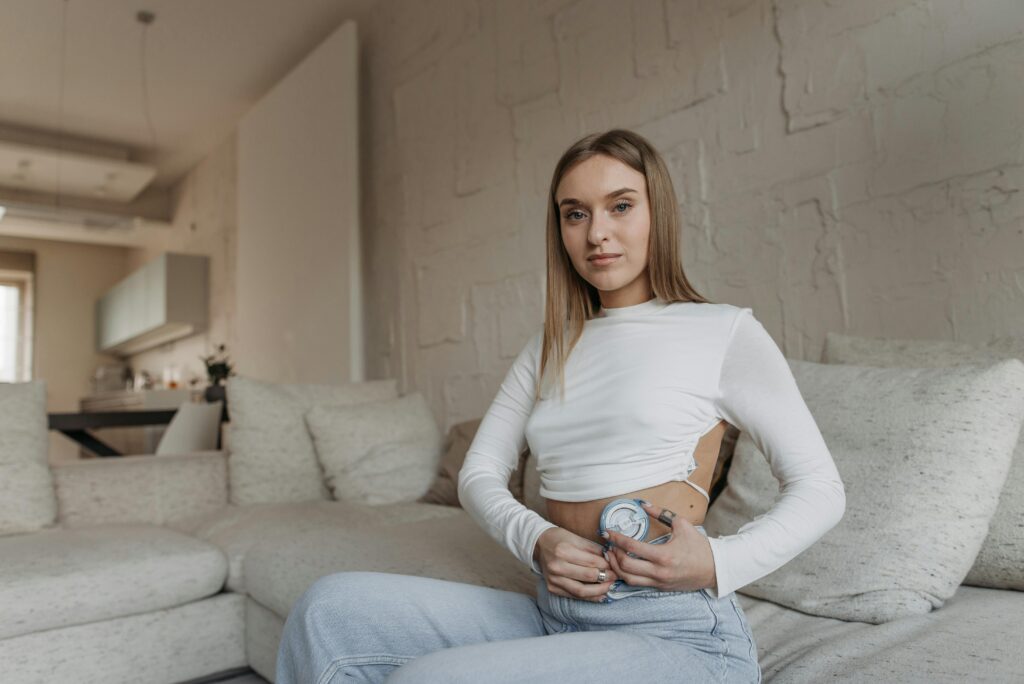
(642,385)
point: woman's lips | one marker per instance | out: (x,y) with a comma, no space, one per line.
(605,260)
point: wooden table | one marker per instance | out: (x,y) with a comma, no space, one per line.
(77,425)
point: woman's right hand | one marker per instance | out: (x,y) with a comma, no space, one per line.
(571,563)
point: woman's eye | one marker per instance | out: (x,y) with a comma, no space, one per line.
(623,207)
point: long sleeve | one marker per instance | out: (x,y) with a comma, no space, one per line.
(759,395)
(493,455)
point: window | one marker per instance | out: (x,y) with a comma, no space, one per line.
(17,279)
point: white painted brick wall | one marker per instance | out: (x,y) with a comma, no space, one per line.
(853,166)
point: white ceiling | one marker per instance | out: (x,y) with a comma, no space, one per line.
(207,62)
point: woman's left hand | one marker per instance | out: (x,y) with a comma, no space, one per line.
(683,563)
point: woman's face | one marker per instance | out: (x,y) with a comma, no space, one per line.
(603,209)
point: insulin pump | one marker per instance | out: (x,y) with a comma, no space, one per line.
(627,517)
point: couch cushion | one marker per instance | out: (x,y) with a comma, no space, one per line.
(974,637)
(175,644)
(923,454)
(236,528)
(60,577)
(174,491)
(27,500)
(445,489)
(1000,563)
(279,570)
(272,458)
(379,452)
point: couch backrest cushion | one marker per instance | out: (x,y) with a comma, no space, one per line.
(380,452)
(27,498)
(445,488)
(177,490)
(923,454)
(272,459)
(1000,563)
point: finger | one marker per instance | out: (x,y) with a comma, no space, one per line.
(588,546)
(581,546)
(653,552)
(656,513)
(628,577)
(557,590)
(582,573)
(582,557)
(638,566)
(581,590)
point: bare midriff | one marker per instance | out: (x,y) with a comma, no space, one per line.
(582,517)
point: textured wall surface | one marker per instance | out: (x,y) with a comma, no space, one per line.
(204,222)
(848,166)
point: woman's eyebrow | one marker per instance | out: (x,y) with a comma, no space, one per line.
(613,193)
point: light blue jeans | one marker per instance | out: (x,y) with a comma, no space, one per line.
(375,627)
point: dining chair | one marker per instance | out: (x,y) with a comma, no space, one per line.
(194,427)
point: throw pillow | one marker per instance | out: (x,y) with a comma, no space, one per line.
(377,453)
(445,488)
(272,458)
(1000,562)
(923,454)
(27,500)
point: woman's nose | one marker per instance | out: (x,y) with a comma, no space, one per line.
(598,229)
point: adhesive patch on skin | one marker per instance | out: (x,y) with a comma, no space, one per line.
(626,517)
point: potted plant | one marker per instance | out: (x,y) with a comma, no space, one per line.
(218,370)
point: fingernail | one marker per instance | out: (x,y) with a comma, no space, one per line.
(605,534)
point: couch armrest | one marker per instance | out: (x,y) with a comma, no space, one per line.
(173,490)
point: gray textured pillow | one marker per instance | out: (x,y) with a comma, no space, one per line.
(923,454)
(27,499)
(444,490)
(272,458)
(380,452)
(1000,563)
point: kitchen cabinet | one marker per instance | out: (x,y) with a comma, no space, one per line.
(165,300)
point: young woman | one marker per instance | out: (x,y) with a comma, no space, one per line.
(623,395)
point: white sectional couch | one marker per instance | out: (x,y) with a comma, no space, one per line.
(150,577)
(149,573)
(118,590)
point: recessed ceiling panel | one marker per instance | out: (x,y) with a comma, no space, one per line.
(62,173)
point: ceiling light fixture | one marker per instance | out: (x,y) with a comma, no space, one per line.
(59,175)
(60,98)
(146,18)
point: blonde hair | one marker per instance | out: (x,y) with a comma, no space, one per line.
(570,300)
